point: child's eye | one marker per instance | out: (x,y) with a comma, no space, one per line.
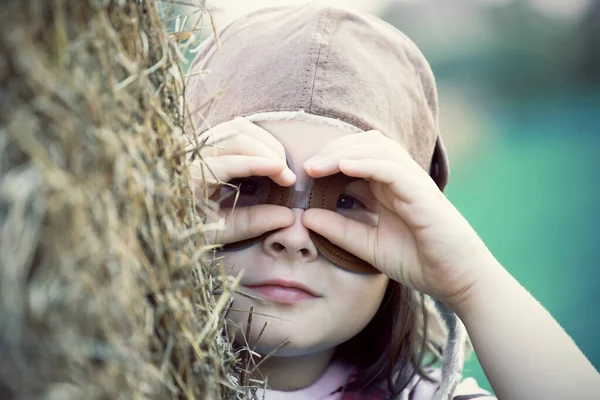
(247,186)
(364,210)
(249,192)
(347,202)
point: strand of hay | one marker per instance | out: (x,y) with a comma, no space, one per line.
(106,290)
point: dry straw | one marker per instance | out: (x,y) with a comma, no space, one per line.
(106,287)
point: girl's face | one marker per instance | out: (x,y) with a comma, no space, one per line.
(341,303)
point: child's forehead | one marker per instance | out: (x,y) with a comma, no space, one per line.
(302,139)
(303,129)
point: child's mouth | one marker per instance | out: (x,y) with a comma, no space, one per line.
(281,292)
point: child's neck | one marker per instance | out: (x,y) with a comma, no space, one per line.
(294,373)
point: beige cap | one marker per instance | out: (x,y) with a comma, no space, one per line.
(325,61)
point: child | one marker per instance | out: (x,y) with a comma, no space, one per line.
(326,121)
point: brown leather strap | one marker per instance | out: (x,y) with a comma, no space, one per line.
(341,257)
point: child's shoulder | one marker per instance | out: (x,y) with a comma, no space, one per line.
(422,389)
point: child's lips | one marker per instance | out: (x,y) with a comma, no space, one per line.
(282,292)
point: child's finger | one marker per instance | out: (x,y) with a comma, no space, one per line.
(236,143)
(225,168)
(238,126)
(353,236)
(251,129)
(323,165)
(248,222)
(408,185)
(318,166)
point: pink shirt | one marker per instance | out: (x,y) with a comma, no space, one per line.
(336,376)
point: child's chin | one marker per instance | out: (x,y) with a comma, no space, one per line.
(290,350)
(300,344)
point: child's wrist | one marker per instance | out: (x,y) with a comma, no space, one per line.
(491,277)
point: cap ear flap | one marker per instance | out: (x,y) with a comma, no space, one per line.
(439,170)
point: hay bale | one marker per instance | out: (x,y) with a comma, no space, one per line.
(105,287)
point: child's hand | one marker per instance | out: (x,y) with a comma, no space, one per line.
(237,149)
(421,240)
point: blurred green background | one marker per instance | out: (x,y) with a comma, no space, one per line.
(519,89)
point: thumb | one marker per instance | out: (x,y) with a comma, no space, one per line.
(244,223)
(353,236)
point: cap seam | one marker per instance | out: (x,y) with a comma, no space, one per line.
(321,32)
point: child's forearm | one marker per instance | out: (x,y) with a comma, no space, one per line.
(523,351)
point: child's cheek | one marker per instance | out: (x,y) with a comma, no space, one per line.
(358,298)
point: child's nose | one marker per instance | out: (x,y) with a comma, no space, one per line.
(293,242)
